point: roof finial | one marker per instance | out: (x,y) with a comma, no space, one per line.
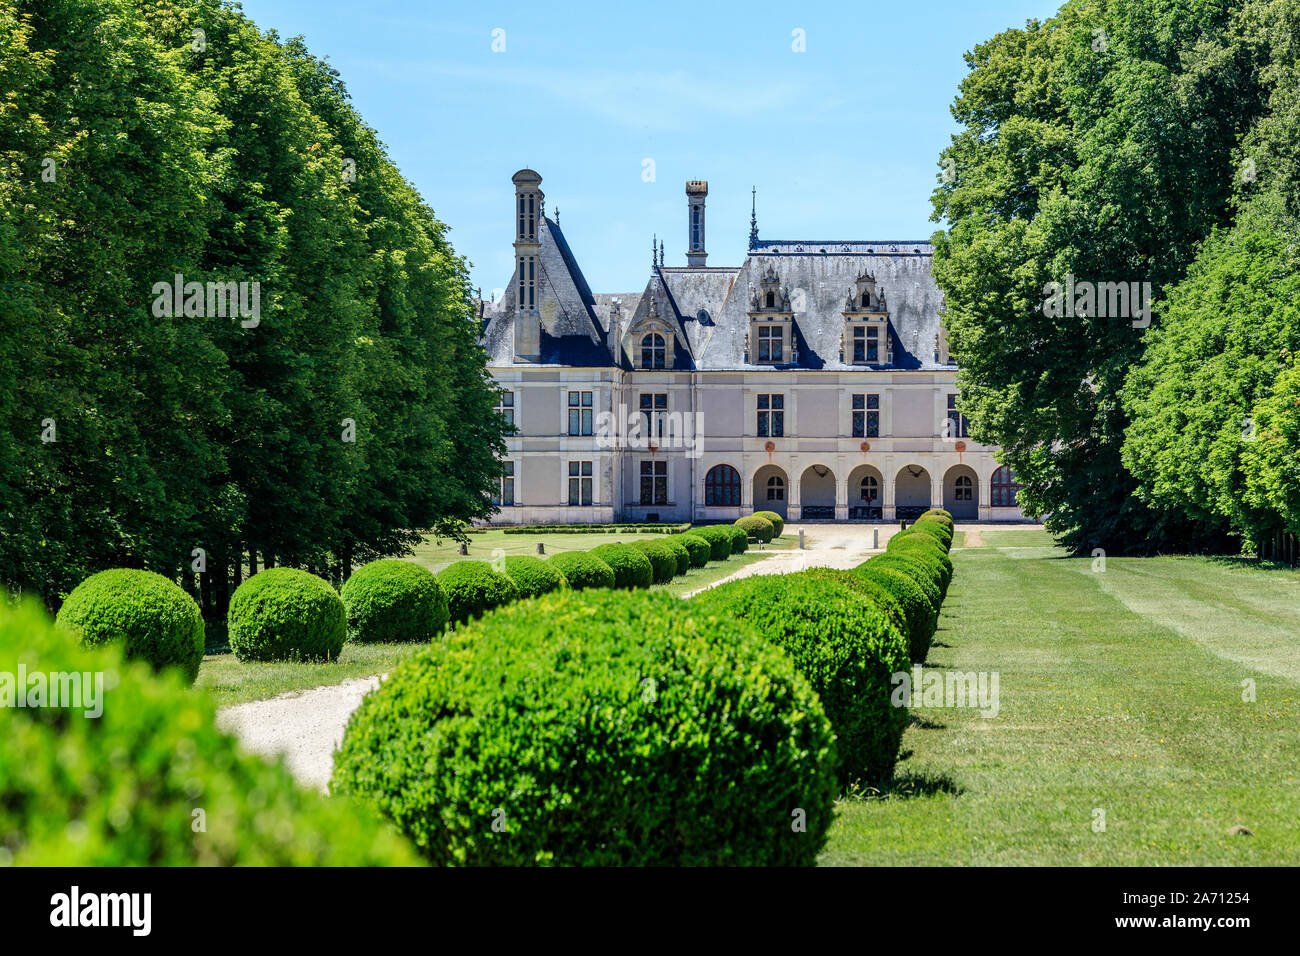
(654,250)
(753,217)
(661,253)
(557,215)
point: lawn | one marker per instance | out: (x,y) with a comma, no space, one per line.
(1121,692)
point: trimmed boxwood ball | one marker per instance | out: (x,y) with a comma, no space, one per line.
(680,552)
(778,523)
(390,601)
(583,570)
(597,729)
(756,527)
(930,551)
(284,614)
(699,549)
(631,567)
(532,576)
(120,789)
(918,613)
(473,587)
(662,559)
(927,530)
(869,588)
(845,645)
(925,574)
(739,539)
(149,616)
(719,538)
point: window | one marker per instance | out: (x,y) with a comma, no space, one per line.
(653,353)
(503,493)
(958,426)
(722,487)
(653,410)
(771,345)
(869,489)
(771,416)
(695,228)
(580,483)
(527,281)
(776,488)
(866,416)
(771,300)
(1005,488)
(506,408)
(866,345)
(963,488)
(866,300)
(580,413)
(654,482)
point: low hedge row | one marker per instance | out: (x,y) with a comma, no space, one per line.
(757,527)
(660,528)
(597,728)
(631,567)
(582,570)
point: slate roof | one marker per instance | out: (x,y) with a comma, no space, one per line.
(579,329)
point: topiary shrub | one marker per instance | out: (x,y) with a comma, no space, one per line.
(927,530)
(739,539)
(917,604)
(473,587)
(869,588)
(149,616)
(925,566)
(631,567)
(662,560)
(845,645)
(532,576)
(583,570)
(930,551)
(938,514)
(597,729)
(390,601)
(719,537)
(918,613)
(680,552)
(756,527)
(284,614)
(778,523)
(698,548)
(121,789)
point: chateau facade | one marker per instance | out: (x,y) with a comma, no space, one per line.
(812,380)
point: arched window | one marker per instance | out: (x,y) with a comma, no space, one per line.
(1005,488)
(963,488)
(866,299)
(722,487)
(652,351)
(776,488)
(870,489)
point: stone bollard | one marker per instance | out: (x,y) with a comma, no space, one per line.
(875,539)
(463,549)
(801,539)
(541,548)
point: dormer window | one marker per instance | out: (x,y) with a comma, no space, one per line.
(771,323)
(653,351)
(866,300)
(771,300)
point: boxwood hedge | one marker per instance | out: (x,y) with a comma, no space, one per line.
(756,527)
(128,788)
(680,552)
(927,571)
(284,614)
(845,645)
(699,549)
(930,551)
(597,729)
(390,601)
(662,560)
(719,537)
(739,538)
(533,577)
(149,616)
(919,613)
(583,570)
(631,567)
(778,523)
(873,590)
(473,587)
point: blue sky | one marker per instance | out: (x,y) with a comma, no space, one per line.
(841,140)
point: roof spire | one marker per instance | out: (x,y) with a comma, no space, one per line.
(654,250)
(753,217)
(661,253)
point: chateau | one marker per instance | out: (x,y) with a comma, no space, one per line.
(812,380)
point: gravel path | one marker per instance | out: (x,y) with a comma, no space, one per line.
(305,728)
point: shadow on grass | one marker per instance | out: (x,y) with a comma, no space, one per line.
(925,723)
(907,785)
(214,638)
